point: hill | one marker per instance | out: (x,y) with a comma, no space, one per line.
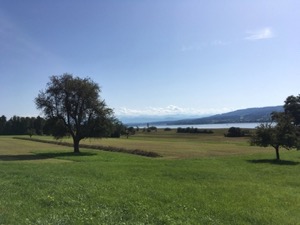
(239,116)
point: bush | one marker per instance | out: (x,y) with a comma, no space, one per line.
(152,128)
(235,132)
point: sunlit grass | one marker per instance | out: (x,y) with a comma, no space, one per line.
(99,187)
(170,144)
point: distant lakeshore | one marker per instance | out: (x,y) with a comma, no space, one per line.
(243,118)
(210,126)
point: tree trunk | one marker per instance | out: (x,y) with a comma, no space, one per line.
(277,153)
(76,145)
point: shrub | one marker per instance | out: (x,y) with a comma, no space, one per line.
(235,132)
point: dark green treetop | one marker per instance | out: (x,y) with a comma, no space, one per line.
(284,132)
(75,107)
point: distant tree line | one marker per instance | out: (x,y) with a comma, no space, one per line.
(131,130)
(192,130)
(22,125)
(17,125)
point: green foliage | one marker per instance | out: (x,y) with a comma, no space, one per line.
(264,136)
(2,124)
(285,132)
(118,129)
(130,131)
(74,103)
(192,130)
(292,107)
(235,132)
(38,124)
(152,128)
(21,125)
(31,132)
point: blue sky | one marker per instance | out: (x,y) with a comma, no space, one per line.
(153,57)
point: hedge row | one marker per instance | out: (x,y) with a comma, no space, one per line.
(192,130)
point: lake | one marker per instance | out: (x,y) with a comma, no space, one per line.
(212,126)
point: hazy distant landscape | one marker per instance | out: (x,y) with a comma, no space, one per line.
(249,115)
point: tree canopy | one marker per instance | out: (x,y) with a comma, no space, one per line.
(284,131)
(292,108)
(73,106)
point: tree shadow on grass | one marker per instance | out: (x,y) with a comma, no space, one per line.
(275,162)
(43,156)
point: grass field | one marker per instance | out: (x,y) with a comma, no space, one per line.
(172,145)
(201,179)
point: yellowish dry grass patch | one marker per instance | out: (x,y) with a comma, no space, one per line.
(24,151)
(172,145)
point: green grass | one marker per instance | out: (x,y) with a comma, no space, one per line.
(46,184)
(172,145)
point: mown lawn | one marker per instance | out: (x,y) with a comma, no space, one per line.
(46,184)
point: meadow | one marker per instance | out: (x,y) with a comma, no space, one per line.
(199,179)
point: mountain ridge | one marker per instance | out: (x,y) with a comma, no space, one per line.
(248,115)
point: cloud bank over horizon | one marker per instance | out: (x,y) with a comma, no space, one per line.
(168,111)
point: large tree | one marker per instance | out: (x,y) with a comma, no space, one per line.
(292,108)
(74,107)
(284,132)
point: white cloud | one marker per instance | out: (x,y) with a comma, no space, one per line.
(265,33)
(168,111)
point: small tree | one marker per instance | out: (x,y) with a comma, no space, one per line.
(283,134)
(129,131)
(73,106)
(30,132)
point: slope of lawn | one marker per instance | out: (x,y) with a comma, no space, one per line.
(46,184)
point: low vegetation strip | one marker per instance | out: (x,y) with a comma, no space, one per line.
(97,147)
